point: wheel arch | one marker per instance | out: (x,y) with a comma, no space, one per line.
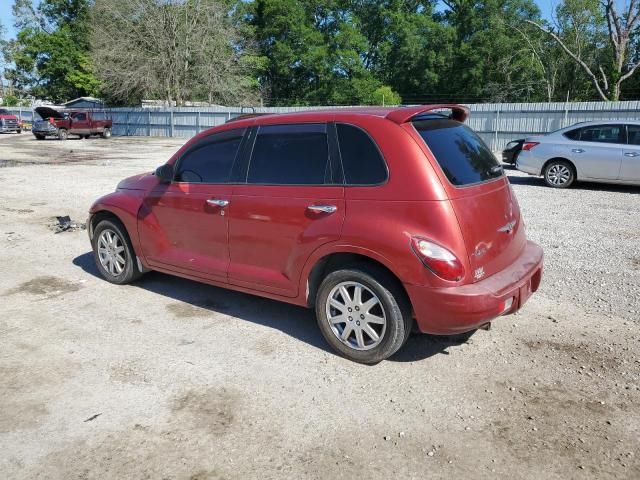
(563,159)
(97,217)
(331,261)
(123,206)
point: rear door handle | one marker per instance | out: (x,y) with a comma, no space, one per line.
(631,154)
(322,208)
(577,150)
(214,202)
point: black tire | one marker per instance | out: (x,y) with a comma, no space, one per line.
(130,271)
(559,174)
(392,300)
(39,137)
(19,131)
(106,133)
(63,134)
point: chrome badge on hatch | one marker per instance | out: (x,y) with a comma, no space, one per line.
(478,273)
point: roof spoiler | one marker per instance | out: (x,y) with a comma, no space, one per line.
(404,115)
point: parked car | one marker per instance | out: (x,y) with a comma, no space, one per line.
(59,124)
(375,217)
(9,122)
(607,152)
(511,151)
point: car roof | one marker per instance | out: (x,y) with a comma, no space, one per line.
(397,115)
(601,122)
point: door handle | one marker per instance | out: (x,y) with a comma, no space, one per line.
(322,208)
(631,154)
(214,202)
(577,150)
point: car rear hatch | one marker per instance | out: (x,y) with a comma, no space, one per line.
(481,196)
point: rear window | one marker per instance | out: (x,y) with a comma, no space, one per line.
(462,155)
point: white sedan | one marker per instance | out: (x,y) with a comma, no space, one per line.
(605,151)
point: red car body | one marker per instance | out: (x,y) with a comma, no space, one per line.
(266,241)
(9,122)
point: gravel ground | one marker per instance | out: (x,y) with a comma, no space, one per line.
(177,380)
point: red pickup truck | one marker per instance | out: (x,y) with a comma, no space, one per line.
(62,124)
(9,122)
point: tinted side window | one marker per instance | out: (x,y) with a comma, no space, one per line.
(603,134)
(290,155)
(362,162)
(633,132)
(573,134)
(80,116)
(462,155)
(210,161)
(99,115)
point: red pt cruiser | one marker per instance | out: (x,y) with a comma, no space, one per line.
(375,217)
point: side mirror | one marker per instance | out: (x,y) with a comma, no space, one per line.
(164,173)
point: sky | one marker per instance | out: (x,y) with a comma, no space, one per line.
(6,18)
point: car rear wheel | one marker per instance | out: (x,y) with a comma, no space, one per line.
(63,134)
(106,133)
(363,314)
(559,174)
(113,253)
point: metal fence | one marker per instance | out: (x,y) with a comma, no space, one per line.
(497,123)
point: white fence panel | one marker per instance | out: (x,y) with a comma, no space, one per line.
(497,123)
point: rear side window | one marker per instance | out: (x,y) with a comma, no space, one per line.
(462,155)
(211,160)
(633,132)
(573,134)
(290,155)
(80,116)
(602,134)
(99,115)
(361,160)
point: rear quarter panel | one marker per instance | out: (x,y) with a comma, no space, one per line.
(412,202)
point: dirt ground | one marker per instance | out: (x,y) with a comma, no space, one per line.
(170,379)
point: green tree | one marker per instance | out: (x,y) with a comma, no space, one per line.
(490,61)
(314,51)
(51,51)
(601,37)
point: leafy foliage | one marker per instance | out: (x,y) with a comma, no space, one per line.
(50,54)
(288,52)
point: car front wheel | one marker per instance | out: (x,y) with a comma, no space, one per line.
(559,174)
(113,253)
(363,313)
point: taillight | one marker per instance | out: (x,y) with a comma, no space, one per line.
(526,146)
(438,259)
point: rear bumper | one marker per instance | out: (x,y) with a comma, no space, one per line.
(445,311)
(528,163)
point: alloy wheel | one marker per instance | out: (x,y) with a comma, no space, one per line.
(356,315)
(558,174)
(111,252)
